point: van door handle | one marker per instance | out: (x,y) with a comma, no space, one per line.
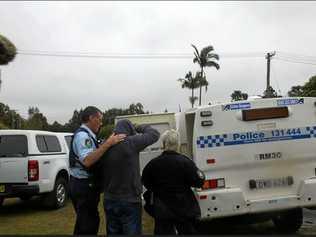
(46,162)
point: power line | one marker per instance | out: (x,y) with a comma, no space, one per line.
(294,61)
(291,55)
(130,55)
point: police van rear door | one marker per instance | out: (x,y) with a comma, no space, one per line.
(265,147)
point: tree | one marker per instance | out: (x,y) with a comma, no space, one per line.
(75,121)
(137,108)
(7,52)
(10,118)
(36,120)
(192,83)
(238,95)
(56,127)
(307,90)
(296,91)
(32,110)
(203,58)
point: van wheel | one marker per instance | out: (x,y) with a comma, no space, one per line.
(1,201)
(288,221)
(58,197)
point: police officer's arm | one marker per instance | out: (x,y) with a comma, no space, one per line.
(95,155)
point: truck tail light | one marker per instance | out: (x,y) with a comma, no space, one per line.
(214,183)
(33,170)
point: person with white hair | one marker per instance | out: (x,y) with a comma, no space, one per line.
(170,177)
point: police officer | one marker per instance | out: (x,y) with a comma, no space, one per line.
(170,177)
(84,153)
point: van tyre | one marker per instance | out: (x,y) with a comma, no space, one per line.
(288,221)
(1,201)
(58,197)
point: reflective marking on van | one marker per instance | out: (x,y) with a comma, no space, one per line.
(240,138)
(245,105)
(282,102)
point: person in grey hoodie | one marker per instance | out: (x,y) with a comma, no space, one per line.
(122,178)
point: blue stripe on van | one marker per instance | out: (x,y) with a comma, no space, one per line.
(241,138)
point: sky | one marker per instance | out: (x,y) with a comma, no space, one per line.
(240,32)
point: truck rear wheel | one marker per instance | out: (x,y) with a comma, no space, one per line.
(58,197)
(289,221)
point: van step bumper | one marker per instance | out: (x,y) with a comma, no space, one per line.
(231,201)
(16,190)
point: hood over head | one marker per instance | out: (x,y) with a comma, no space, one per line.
(125,126)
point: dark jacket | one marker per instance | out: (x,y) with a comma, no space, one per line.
(122,180)
(170,176)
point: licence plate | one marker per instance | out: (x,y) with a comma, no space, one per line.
(2,188)
(271,183)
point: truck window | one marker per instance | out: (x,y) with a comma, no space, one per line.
(41,145)
(68,140)
(52,143)
(48,143)
(13,146)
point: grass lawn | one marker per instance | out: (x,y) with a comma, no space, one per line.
(31,218)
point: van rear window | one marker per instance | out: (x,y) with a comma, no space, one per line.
(265,113)
(13,146)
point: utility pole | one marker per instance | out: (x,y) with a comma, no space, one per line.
(269,92)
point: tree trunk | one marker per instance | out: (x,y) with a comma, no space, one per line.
(192,102)
(201,76)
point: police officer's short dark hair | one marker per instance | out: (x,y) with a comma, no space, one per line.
(87,112)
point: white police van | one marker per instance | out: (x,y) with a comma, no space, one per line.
(258,155)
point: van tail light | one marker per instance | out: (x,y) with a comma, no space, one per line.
(214,183)
(33,170)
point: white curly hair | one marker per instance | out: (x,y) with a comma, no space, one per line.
(170,140)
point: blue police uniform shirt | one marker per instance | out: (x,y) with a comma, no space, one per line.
(82,146)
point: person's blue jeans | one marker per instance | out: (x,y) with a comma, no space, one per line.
(123,218)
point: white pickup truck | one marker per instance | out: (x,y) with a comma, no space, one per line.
(258,155)
(34,163)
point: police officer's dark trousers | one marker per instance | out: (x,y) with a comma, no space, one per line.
(85,200)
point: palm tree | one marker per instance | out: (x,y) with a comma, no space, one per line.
(203,58)
(238,95)
(7,52)
(192,83)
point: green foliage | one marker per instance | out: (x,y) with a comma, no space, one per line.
(57,127)
(109,115)
(307,90)
(9,118)
(106,131)
(238,95)
(74,122)
(37,121)
(191,83)
(204,59)
(7,50)
(2,126)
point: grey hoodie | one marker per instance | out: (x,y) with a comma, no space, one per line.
(122,176)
